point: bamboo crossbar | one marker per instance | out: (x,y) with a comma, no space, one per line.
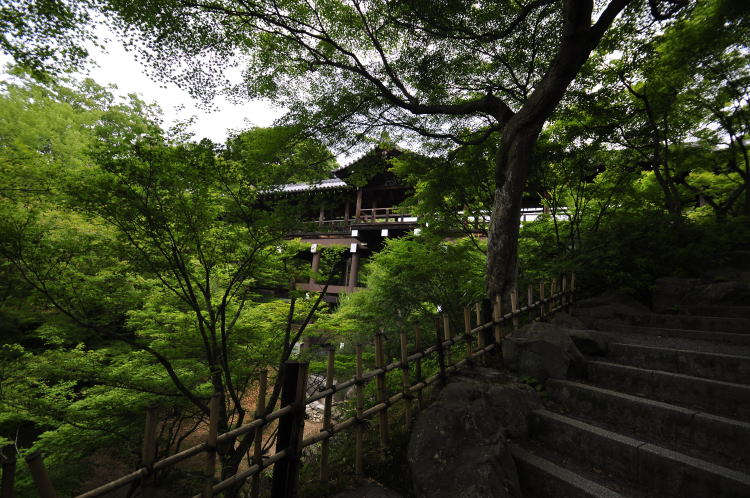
(185,454)
(241,477)
(546,303)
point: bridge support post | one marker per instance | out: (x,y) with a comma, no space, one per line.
(9,471)
(291,429)
(40,475)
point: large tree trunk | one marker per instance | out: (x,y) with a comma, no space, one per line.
(513,163)
(520,133)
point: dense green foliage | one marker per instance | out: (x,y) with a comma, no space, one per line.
(135,261)
(131,261)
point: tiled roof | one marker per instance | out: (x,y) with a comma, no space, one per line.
(376,154)
(329,183)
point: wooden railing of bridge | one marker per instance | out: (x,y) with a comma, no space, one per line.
(384,215)
(484,327)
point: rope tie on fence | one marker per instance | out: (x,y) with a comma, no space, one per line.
(361,421)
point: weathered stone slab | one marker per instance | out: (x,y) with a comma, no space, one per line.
(458,445)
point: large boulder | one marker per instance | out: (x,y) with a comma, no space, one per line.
(458,445)
(565,320)
(587,342)
(542,351)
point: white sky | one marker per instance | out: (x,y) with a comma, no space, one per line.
(119,67)
(114,65)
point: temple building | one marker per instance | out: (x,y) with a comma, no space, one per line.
(357,208)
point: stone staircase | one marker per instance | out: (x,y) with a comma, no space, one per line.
(665,413)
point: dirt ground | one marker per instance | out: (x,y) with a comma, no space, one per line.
(106,467)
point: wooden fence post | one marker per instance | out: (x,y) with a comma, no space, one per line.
(530,300)
(418,365)
(440,351)
(514,305)
(327,408)
(564,293)
(447,336)
(467,333)
(572,291)
(9,471)
(542,306)
(148,451)
(213,433)
(260,408)
(291,429)
(40,475)
(359,458)
(380,380)
(406,382)
(552,292)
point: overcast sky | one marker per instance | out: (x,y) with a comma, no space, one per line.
(119,67)
(114,65)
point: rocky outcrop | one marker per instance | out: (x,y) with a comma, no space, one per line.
(567,321)
(542,351)
(458,446)
(610,305)
(679,294)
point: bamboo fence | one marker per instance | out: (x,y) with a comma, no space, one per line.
(482,336)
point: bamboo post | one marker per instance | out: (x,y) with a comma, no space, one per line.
(541,300)
(290,431)
(360,448)
(552,292)
(467,332)
(380,379)
(447,336)
(9,471)
(440,352)
(405,375)
(418,365)
(213,433)
(148,451)
(530,300)
(497,313)
(572,291)
(480,336)
(260,408)
(40,475)
(514,305)
(327,413)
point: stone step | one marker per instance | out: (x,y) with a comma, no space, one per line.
(729,368)
(708,323)
(541,478)
(717,397)
(719,287)
(740,259)
(726,438)
(718,310)
(671,342)
(659,471)
(702,335)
